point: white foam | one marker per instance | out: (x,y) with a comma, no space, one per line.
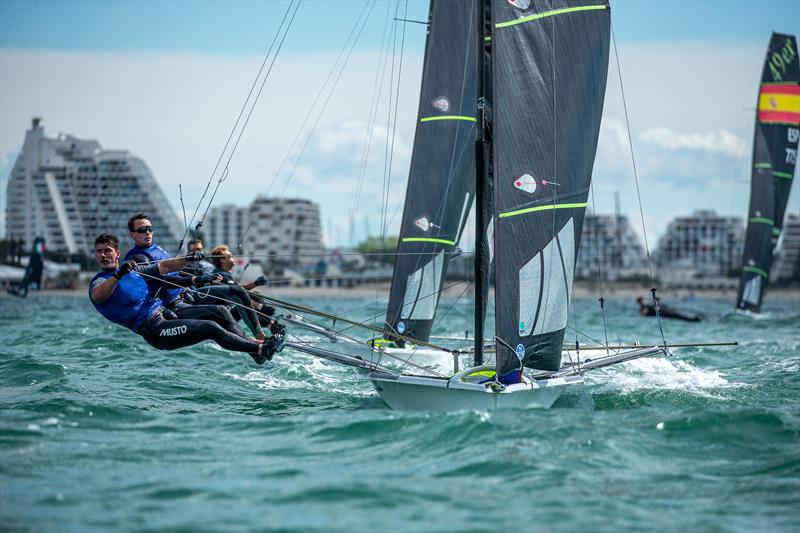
(662,374)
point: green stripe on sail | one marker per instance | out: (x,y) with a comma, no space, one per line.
(762,220)
(780,83)
(776,231)
(487,39)
(762,165)
(784,175)
(541,208)
(428,239)
(548,14)
(447,117)
(756,270)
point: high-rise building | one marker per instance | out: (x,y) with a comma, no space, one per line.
(225,224)
(788,265)
(706,242)
(611,247)
(271,231)
(69,190)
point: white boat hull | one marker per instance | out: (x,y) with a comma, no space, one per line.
(418,393)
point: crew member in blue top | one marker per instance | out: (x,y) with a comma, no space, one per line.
(121,295)
(171,288)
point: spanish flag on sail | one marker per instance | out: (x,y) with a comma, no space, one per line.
(779,102)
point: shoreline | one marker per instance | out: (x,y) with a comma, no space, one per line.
(456,290)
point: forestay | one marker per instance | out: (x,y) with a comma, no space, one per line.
(774,157)
(550,60)
(441,182)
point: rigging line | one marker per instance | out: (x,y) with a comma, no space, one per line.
(380,73)
(577,331)
(599,269)
(638,193)
(238,118)
(249,115)
(183,208)
(327,99)
(452,306)
(306,118)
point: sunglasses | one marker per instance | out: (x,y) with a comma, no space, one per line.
(144,229)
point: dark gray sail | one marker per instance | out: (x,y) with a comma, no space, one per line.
(441,182)
(774,157)
(550,61)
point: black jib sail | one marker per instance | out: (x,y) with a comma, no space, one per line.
(774,157)
(441,182)
(550,61)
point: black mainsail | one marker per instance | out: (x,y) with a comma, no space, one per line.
(774,157)
(441,182)
(549,68)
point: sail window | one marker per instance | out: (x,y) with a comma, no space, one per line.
(752,291)
(545,283)
(422,290)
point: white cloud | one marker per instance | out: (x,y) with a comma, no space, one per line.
(722,141)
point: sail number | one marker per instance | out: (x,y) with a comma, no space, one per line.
(778,61)
(791,155)
(792,134)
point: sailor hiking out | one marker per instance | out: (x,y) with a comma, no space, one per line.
(120,293)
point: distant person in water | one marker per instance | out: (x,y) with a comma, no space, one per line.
(33,272)
(646,309)
(120,293)
(254,313)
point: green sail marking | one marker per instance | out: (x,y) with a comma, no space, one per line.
(776,231)
(542,208)
(756,270)
(548,14)
(428,239)
(762,165)
(784,175)
(762,220)
(447,117)
(487,39)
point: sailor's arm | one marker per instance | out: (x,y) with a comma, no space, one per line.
(177,263)
(102,290)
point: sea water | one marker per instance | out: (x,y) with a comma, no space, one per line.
(100,432)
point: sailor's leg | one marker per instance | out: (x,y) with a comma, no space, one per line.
(178,333)
(215,313)
(233,294)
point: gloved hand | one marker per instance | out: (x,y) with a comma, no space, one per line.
(260,280)
(206,278)
(277,329)
(125,268)
(267,309)
(195,257)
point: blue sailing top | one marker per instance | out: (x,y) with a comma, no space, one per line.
(130,304)
(154,253)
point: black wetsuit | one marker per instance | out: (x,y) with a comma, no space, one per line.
(161,330)
(668,312)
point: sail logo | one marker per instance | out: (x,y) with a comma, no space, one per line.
(525,183)
(441,103)
(780,60)
(401,327)
(171,332)
(520,351)
(520,4)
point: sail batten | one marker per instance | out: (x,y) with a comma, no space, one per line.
(775,143)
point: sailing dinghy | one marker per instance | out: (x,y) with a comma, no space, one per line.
(775,142)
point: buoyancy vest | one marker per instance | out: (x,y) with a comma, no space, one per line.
(130,304)
(154,252)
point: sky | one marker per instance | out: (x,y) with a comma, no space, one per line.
(166,81)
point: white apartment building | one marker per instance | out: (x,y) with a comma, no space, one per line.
(609,246)
(69,190)
(710,243)
(788,264)
(271,231)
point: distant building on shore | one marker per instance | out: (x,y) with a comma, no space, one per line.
(271,231)
(787,266)
(611,247)
(68,190)
(709,244)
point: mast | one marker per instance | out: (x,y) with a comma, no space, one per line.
(482,149)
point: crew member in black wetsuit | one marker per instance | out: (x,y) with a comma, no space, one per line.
(222,289)
(122,296)
(171,288)
(666,312)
